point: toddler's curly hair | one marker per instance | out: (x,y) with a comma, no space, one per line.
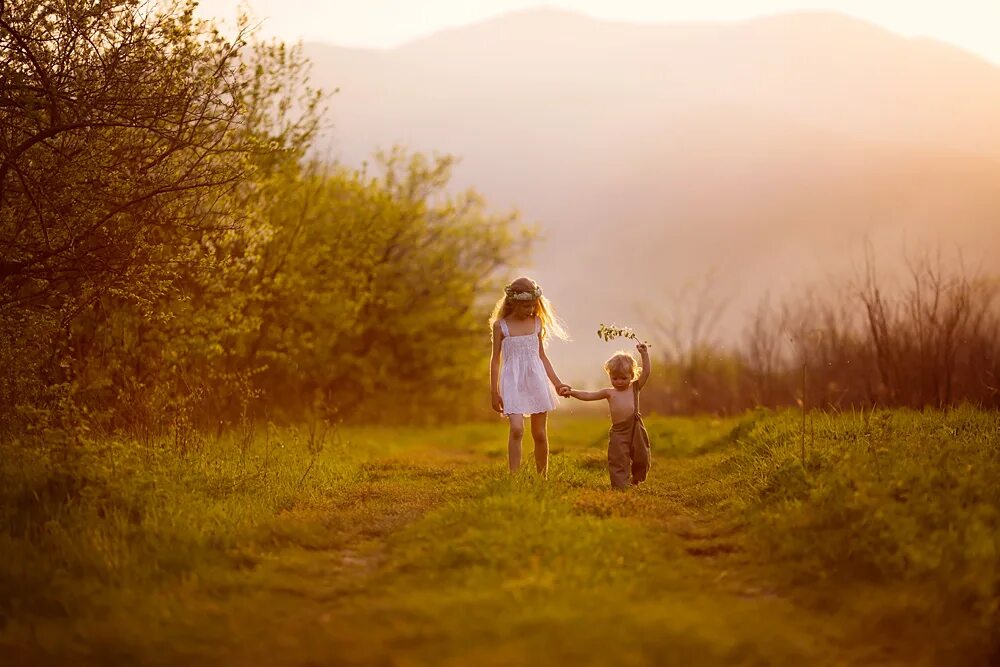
(624,363)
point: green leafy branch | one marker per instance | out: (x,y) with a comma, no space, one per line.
(609,332)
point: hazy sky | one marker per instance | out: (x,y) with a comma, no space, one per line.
(971,24)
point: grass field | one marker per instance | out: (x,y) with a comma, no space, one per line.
(875,540)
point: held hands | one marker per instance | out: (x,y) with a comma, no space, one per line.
(564,390)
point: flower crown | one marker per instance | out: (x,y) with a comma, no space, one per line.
(515,295)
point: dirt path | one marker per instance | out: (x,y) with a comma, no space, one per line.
(438,557)
(450,562)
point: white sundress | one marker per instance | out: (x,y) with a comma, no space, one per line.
(524,386)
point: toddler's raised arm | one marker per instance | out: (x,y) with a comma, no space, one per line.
(646,365)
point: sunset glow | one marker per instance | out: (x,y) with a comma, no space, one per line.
(969,24)
(493,332)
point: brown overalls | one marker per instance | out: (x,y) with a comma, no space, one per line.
(628,448)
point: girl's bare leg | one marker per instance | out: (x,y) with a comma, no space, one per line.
(514,441)
(540,435)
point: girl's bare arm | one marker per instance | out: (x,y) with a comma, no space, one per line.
(553,378)
(495,398)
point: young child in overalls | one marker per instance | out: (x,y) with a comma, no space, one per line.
(628,441)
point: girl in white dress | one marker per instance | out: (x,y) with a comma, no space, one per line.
(522,381)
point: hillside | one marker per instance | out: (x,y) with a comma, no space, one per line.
(768,150)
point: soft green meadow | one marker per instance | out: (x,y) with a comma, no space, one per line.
(872,540)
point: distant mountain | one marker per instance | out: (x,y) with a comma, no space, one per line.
(768,149)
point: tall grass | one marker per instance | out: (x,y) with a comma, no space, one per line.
(884,498)
(416,543)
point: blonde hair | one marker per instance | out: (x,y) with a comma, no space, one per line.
(551,324)
(624,363)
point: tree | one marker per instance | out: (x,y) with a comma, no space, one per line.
(175,256)
(370,292)
(122,136)
(133,139)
